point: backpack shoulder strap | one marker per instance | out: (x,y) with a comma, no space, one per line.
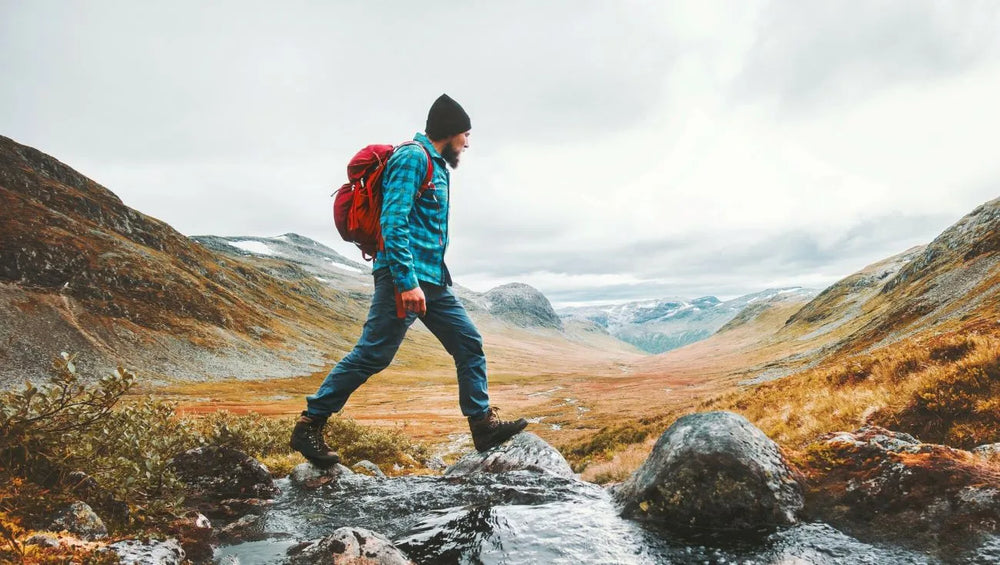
(429,177)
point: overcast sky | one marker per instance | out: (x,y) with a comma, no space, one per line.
(619,150)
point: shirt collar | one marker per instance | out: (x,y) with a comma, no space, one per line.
(426,142)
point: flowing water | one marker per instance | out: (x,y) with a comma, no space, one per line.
(526,517)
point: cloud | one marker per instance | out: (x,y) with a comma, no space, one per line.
(810,54)
(619,150)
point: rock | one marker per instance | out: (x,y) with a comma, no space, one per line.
(310,476)
(152,552)
(195,533)
(247,528)
(435,463)
(525,451)
(879,484)
(79,519)
(350,545)
(989,451)
(218,472)
(47,539)
(90,491)
(366,467)
(713,472)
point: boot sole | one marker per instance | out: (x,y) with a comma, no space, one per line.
(502,439)
(323,463)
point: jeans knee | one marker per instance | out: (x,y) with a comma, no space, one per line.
(470,350)
(372,359)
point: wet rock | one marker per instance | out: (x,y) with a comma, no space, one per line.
(247,528)
(350,545)
(195,533)
(79,519)
(880,484)
(307,475)
(366,467)
(525,451)
(151,552)
(218,472)
(713,472)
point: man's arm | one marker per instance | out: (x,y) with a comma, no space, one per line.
(403,175)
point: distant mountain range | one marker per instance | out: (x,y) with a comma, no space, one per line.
(657,326)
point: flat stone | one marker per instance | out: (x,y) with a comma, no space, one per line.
(350,545)
(525,451)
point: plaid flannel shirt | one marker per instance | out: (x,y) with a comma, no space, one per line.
(415,230)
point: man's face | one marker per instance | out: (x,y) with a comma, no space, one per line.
(453,149)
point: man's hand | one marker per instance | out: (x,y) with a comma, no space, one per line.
(414,301)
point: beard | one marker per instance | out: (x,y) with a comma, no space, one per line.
(451,155)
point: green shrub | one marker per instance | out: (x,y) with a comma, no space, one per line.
(50,431)
(251,433)
(384,447)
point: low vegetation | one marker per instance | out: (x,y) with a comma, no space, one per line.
(58,438)
(941,389)
(944,389)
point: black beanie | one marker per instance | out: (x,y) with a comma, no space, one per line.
(446,119)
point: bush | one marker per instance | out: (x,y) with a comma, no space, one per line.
(384,447)
(251,433)
(50,431)
(126,445)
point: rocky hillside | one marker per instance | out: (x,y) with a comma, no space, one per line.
(81,271)
(954,281)
(657,326)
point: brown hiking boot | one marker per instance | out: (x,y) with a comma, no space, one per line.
(490,431)
(307,439)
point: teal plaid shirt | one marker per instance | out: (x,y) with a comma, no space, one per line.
(415,230)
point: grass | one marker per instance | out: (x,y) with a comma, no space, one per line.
(943,390)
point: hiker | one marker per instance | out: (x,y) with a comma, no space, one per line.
(411,281)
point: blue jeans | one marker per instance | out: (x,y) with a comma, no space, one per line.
(383,332)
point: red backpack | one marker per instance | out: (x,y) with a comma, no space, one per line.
(357,205)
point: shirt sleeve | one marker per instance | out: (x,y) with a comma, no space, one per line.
(403,175)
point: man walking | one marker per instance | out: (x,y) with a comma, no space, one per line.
(411,281)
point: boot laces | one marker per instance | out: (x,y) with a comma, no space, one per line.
(314,436)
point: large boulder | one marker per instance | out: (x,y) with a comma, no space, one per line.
(349,545)
(713,472)
(875,483)
(217,473)
(525,451)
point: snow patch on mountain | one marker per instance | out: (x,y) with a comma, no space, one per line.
(657,326)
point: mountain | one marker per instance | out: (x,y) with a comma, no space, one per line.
(657,326)
(522,305)
(307,254)
(81,272)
